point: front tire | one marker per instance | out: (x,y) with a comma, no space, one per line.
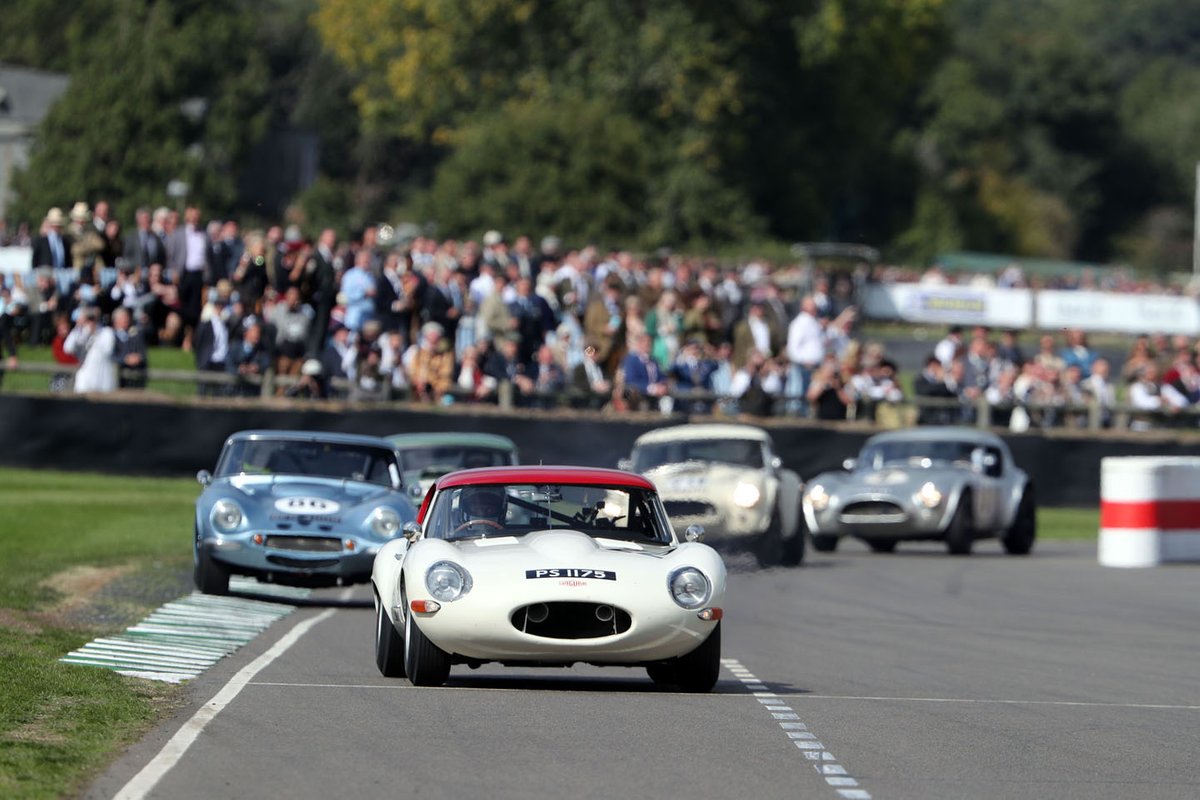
(824,542)
(210,575)
(770,544)
(960,534)
(662,673)
(793,548)
(698,670)
(389,644)
(1018,539)
(425,663)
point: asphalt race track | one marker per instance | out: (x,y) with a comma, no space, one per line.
(914,675)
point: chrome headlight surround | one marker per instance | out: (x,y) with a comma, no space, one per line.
(384,522)
(226,515)
(746,495)
(928,496)
(447,581)
(818,498)
(689,587)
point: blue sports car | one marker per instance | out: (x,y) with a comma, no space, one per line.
(297,508)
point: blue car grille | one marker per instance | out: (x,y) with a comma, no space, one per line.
(308,544)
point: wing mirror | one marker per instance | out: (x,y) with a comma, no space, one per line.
(776,462)
(694,533)
(204,477)
(412,531)
(849,464)
(416,492)
(625,464)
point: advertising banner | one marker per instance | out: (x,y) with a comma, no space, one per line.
(950,305)
(1119,313)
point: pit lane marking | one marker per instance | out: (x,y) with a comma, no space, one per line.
(805,741)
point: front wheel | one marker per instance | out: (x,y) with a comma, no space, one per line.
(662,673)
(210,575)
(770,549)
(1018,539)
(698,670)
(824,542)
(389,644)
(425,662)
(793,548)
(959,535)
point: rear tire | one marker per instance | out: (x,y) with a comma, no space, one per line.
(389,644)
(698,670)
(881,545)
(425,663)
(210,575)
(824,542)
(1018,539)
(960,534)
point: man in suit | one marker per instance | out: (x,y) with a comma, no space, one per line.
(757,331)
(644,380)
(211,346)
(590,388)
(143,246)
(319,286)
(129,352)
(53,247)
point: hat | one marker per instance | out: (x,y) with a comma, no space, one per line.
(80,213)
(492,238)
(55,217)
(312,367)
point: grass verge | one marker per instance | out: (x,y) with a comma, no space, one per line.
(1068,523)
(77,553)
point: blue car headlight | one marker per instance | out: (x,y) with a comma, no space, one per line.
(384,522)
(447,581)
(226,516)
(689,587)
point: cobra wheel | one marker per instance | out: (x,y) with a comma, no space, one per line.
(210,575)
(769,551)
(697,671)
(793,548)
(389,644)
(1018,539)
(824,542)
(662,673)
(959,535)
(425,663)
(881,545)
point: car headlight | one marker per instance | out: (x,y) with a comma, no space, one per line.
(447,581)
(689,587)
(746,495)
(385,522)
(928,495)
(818,498)
(226,515)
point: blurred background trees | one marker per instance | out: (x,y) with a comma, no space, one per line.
(1058,128)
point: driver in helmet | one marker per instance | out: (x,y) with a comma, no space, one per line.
(482,506)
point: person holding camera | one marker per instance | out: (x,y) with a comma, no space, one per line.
(94,344)
(826,392)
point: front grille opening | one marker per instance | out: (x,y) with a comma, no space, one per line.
(569,620)
(872,508)
(303,563)
(688,508)
(308,544)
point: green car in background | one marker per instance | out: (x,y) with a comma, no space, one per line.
(425,457)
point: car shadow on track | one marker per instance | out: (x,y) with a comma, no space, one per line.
(305,602)
(618,684)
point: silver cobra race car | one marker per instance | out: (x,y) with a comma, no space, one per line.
(942,483)
(297,508)
(728,479)
(546,567)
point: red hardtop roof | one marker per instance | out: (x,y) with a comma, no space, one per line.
(572,476)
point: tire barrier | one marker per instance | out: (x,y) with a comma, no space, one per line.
(1149,510)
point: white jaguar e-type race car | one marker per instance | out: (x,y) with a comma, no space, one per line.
(548,566)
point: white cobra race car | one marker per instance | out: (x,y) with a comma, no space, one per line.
(548,566)
(728,479)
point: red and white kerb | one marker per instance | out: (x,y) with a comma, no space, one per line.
(1149,510)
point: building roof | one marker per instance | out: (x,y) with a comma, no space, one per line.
(26,95)
(570,476)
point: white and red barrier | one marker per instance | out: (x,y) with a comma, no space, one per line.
(1149,510)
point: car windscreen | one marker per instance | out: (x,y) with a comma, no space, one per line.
(608,512)
(439,459)
(916,453)
(320,459)
(739,452)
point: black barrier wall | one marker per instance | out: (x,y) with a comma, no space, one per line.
(163,439)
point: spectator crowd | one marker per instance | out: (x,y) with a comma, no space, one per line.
(529,325)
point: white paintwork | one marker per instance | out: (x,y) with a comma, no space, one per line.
(1148,479)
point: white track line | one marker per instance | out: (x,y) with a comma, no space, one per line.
(1069,703)
(798,734)
(172,751)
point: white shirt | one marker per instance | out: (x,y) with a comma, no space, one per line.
(761,333)
(197,248)
(806,340)
(98,372)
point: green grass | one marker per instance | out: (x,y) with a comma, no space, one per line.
(157,358)
(61,724)
(1068,523)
